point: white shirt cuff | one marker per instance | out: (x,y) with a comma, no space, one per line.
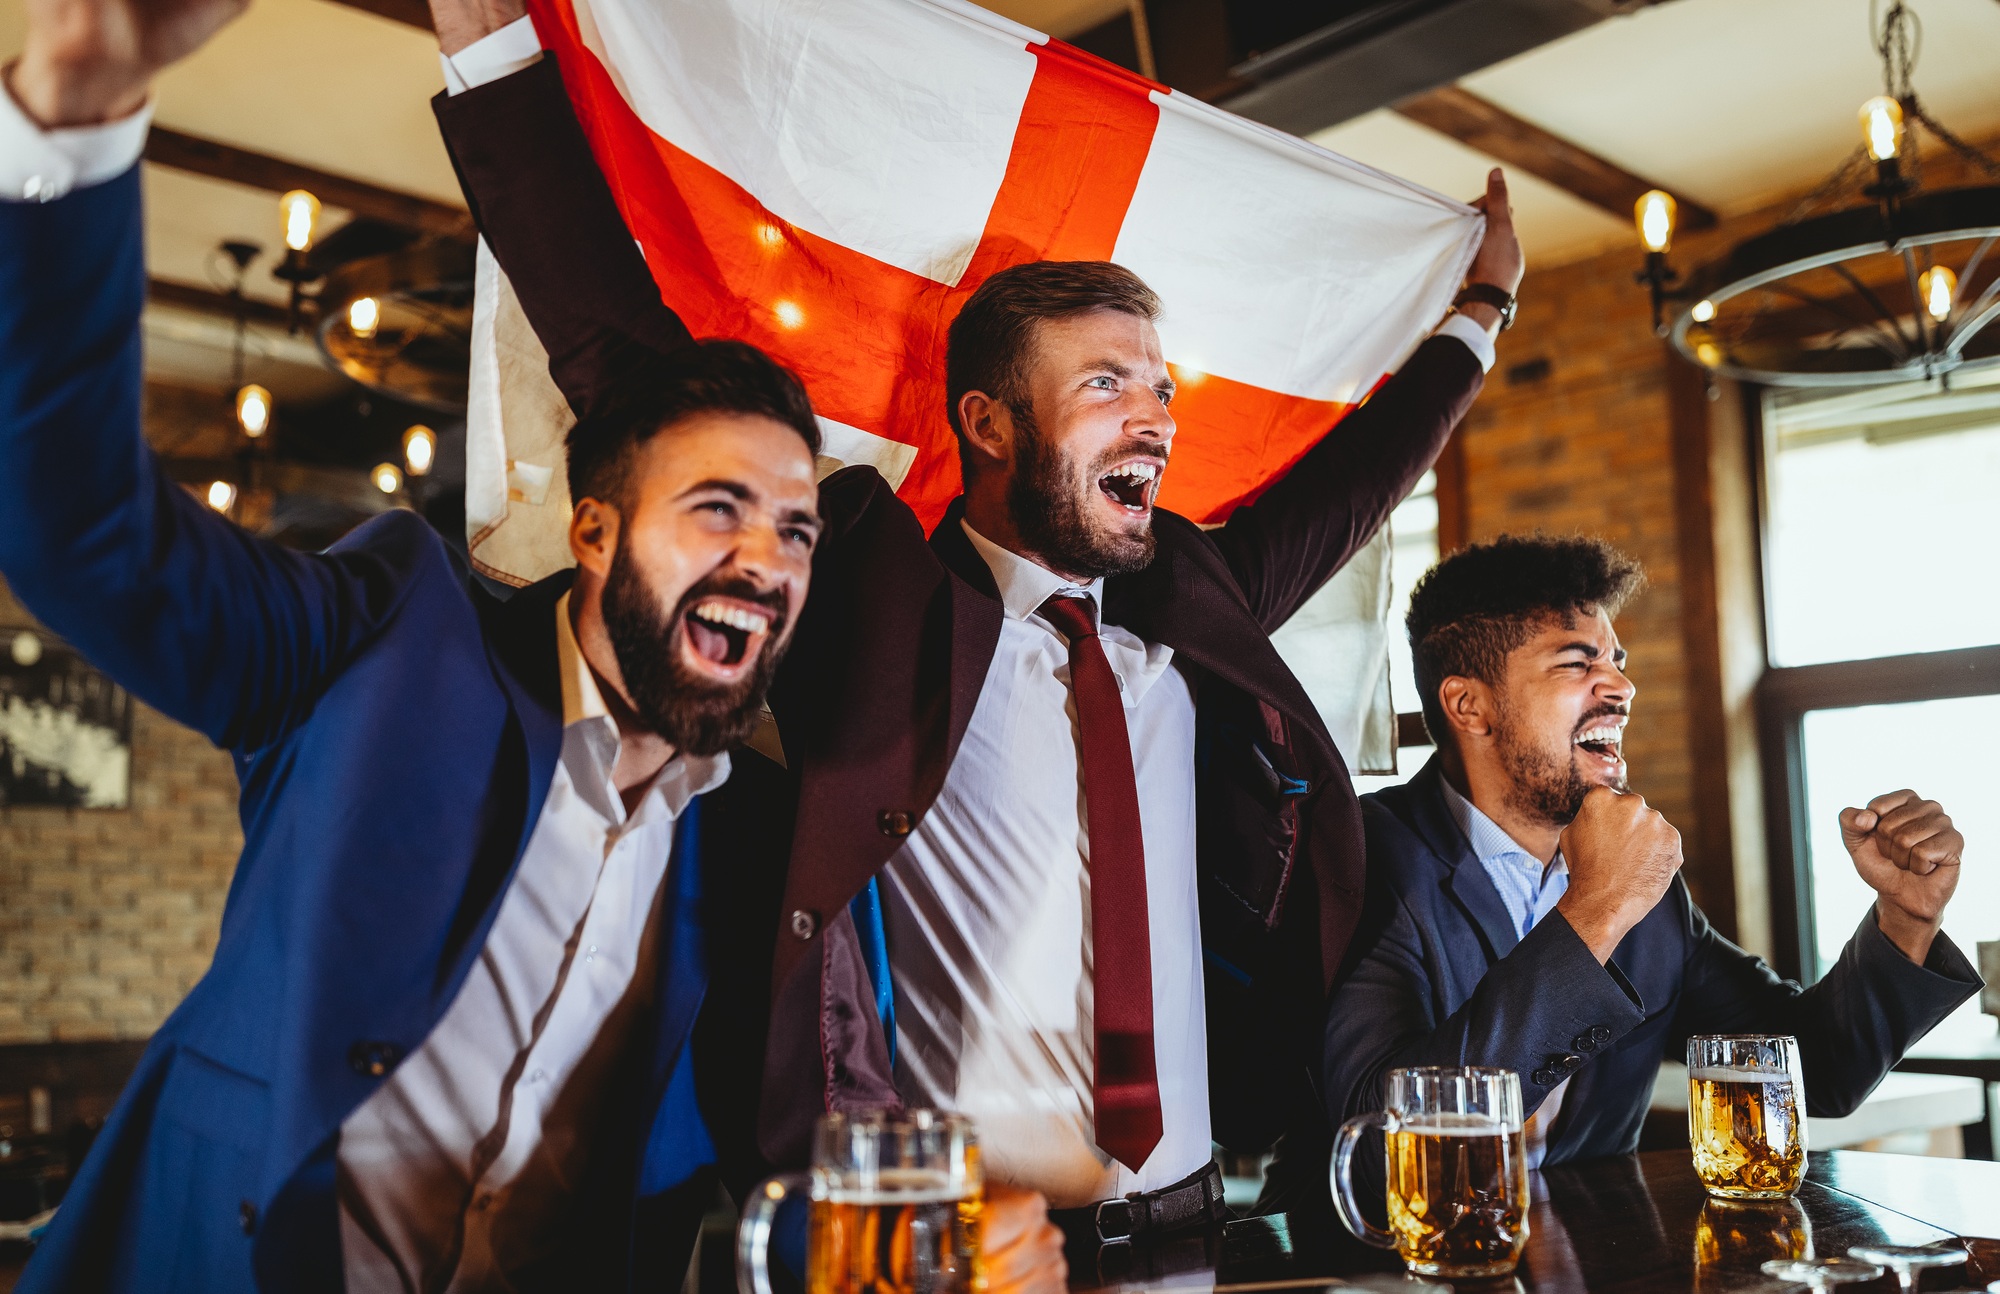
(492,56)
(39,165)
(1474,336)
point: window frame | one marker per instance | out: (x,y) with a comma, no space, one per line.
(1786,694)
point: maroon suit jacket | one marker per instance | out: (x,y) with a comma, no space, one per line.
(887,663)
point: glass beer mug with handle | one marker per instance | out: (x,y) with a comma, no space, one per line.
(1746,1115)
(1457,1171)
(895,1205)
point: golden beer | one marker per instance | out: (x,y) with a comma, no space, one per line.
(1747,1130)
(911,1232)
(1458,1195)
(1734,1238)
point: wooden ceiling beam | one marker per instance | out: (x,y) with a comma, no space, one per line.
(221,161)
(186,296)
(1492,130)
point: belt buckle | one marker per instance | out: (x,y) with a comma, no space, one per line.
(1121,1221)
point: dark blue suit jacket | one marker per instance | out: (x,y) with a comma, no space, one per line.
(394,730)
(1440,978)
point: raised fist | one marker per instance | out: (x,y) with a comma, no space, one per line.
(1622,856)
(1905,847)
(91,61)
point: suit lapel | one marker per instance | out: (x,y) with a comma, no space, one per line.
(976,614)
(521,634)
(1468,881)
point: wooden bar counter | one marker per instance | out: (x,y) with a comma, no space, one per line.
(1635,1225)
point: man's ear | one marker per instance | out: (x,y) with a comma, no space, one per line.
(988,427)
(593,535)
(1469,707)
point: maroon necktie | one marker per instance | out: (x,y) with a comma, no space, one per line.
(1127,1083)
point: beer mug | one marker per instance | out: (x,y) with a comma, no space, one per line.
(1457,1168)
(1746,1115)
(895,1205)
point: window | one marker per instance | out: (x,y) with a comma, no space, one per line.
(1881,534)
(1413,537)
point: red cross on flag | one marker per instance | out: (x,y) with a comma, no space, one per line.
(831,179)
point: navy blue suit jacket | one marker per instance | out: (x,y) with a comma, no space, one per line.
(394,729)
(1440,978)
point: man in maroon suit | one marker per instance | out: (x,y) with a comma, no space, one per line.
(1104,857)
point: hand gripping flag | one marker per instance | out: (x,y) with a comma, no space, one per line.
(831,179)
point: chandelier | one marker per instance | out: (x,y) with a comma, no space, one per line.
(1869,279)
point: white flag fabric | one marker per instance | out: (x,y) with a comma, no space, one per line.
(830,179)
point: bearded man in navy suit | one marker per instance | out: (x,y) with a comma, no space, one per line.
(444,1042)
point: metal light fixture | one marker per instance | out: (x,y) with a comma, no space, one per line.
(1654,215)
(298,210)
(419,450)
(1902,284)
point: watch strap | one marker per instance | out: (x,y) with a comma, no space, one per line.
(1487,294)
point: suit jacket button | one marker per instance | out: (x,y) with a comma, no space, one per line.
(373,1059)
(804,924)
(1600,1034)
(1584,1043)
(894,822)
(1542,1078)
(246,1216)
(1570,1064)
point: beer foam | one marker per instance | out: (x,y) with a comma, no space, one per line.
(1457,1125)
(1718,1074)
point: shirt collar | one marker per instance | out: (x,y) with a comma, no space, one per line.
(580,698)
(1023,584)
(1489,841)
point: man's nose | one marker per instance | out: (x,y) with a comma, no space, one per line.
(1149,417)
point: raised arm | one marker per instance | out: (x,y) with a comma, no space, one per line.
(1895,979)
(545,209)
(225,633)
(1306,526)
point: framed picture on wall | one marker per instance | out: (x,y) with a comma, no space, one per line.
(65,729)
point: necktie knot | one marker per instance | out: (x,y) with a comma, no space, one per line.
(1074,615)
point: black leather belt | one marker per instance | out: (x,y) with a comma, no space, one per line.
(1194,1201)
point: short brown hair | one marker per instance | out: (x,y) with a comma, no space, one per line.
(988,346)
(1479,604)
(651,391)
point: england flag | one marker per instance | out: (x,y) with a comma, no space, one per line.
(831,179)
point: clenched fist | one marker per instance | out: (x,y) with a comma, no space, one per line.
(1622,855)
(1905,847)
(91,61)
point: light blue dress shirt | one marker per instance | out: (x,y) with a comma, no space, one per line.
(1529,889)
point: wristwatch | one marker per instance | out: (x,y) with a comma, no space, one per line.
(1486,294)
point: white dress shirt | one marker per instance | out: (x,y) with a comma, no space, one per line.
(1530,892)
(39,165)
(987,906)
(456,1171)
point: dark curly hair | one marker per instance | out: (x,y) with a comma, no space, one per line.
(1479,604)
(653,390)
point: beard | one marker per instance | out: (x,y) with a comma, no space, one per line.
(1546,783)
(694,713)
(1051,506)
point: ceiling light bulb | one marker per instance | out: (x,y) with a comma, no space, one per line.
(301,213)
(221,495)
(1703,311)
(253,410)
(789,314)
(1708,353)
(362,317)
(388,477)
(419,450)
(1882,127)
(1937,286)
(1654,214)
